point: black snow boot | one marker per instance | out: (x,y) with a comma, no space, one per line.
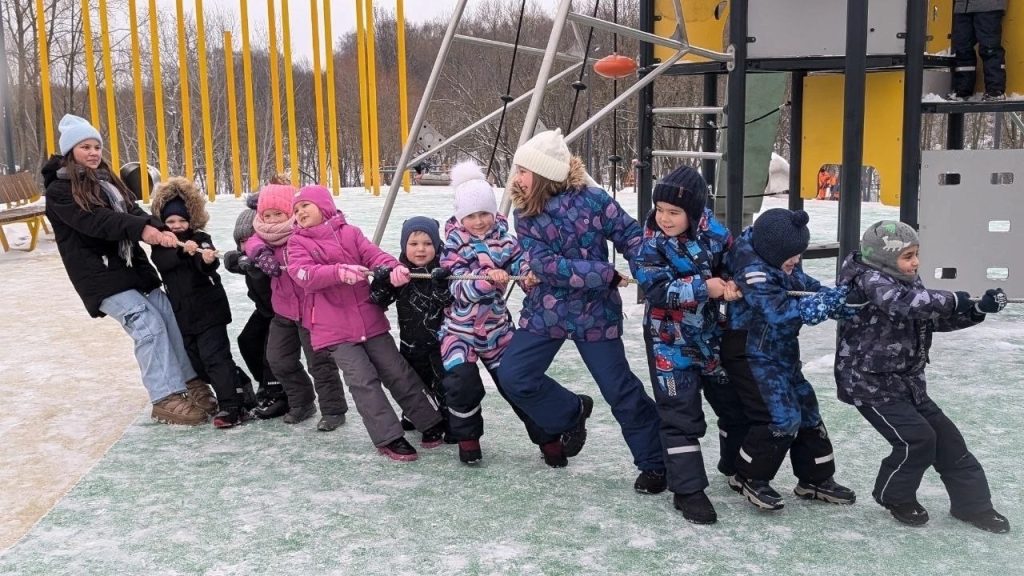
(827,491)
(760,493)
(910,513)
(695,507)
(574,438)
(651,482)
(273,402)
(989,520)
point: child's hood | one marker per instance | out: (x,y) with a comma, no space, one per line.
(186,190)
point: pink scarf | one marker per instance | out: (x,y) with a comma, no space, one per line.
(273,234)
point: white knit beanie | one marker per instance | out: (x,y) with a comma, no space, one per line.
(73,130)
(473,193)
(545,154)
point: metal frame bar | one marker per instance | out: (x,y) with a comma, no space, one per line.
(711,110)
(698,154)
(853,127)
(526,49)
(649,37)
(736,117)
(643,173)
(709,138)
(796,141)
(913,82)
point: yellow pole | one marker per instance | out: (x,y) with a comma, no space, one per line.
(371,69)
(90,65)
(110,88)
(186,103)
(158,93)
(364,125)
(403,97)
(140,104)
(204,99)
(250,109)
(229,68)
(318,95)
(44,77)
(289,94)
(275,88)
(332,113)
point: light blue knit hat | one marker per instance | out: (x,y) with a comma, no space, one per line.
(73,130)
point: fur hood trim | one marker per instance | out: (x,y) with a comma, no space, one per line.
(185,189)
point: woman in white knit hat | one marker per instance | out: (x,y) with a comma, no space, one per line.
(98,226)
(565,224)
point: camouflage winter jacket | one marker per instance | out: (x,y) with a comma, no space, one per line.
(883,350)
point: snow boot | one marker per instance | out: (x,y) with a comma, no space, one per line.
(989,520)
(469,452)
(553,455)
(230,417)
(696,507)
(273,404)
(201,395)
(827,491)
(760,493)
(299,413)
(574,438)
(651,482)
(433,436)
(910,513)
(399,450)
(178,409)
(330,422)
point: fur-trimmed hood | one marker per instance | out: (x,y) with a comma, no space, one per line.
(185,189)
(577,178)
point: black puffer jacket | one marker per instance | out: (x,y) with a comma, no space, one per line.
(88,243)
(194,287)
(420,306)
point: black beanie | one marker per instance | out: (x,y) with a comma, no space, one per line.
(780,234)
(174,207)
(428,226)
(684,187)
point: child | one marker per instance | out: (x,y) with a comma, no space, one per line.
(761,354)
(268,249)
(197,295)
(477,324)
(420,304)
(330,260)
(272,402)
(879,369)
(679,269)
(564,225)
(979,22)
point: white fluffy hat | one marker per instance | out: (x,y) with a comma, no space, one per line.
(545,154)
(473,193)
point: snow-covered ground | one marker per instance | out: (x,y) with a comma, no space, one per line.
(268,498)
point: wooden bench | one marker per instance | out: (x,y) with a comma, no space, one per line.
(19,202)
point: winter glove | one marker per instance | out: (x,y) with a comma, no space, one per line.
(399,276)
(382,274)
(963,301)
(440,276)
(352,273)
(993,301)
(266,262)
(231,261)
(817,308)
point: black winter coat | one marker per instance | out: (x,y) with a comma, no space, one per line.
(194,287)
(420,306)
(88,243)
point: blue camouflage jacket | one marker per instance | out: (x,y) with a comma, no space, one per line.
(679,317)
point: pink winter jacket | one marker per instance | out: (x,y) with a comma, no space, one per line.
(336,313)
(285,295)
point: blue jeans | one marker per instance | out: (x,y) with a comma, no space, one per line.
(149,320)
(555,409)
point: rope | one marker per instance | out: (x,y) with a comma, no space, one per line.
(799,293)
(215,252)
(507,97)
(578,85)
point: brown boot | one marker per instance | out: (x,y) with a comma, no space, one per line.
(201,395)
(178,409)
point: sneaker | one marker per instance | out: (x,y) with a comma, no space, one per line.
(989,520)
(330,422)
(300,413)
(202,396)
(696,507)
(230,418)
(735,484)
(827,491)
(272,408)
(994,96)
(469,452)
(399,450)
(433,436)
(651,482)
(407,425)
(178,409)
(553,454)
(760,493)
(574,438)
(910,513)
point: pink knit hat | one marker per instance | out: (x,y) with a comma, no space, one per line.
(276,197)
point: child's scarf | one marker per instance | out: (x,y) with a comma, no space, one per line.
(273,234)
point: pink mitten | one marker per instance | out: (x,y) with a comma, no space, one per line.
(399,276)
(351,273)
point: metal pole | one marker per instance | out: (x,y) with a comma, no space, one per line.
(955,132)
(417,123)
(736,117)
(643,173)
(917,13)
(709,138)
(530,123)
(853,126)
(5,98)
(796,135)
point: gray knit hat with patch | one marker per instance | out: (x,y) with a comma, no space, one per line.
(243,224)
(882,243)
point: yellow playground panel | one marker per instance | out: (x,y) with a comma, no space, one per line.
(705,25)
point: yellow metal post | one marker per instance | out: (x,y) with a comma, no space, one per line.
(364,124)
(332,113)
(318,95)
(186,103)
(289,93)
(204,99)
(275,88)
(403,96)
(140,104)
(44,77)
(158,94)
(250,110)
(371,70)
(109,88)
(90,65)
(229,69)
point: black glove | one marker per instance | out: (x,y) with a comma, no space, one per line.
(993,301)
(231,262)
(382,273)
(963,301)
(439,276)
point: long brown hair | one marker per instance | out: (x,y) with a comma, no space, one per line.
(85,183)
(532,203)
